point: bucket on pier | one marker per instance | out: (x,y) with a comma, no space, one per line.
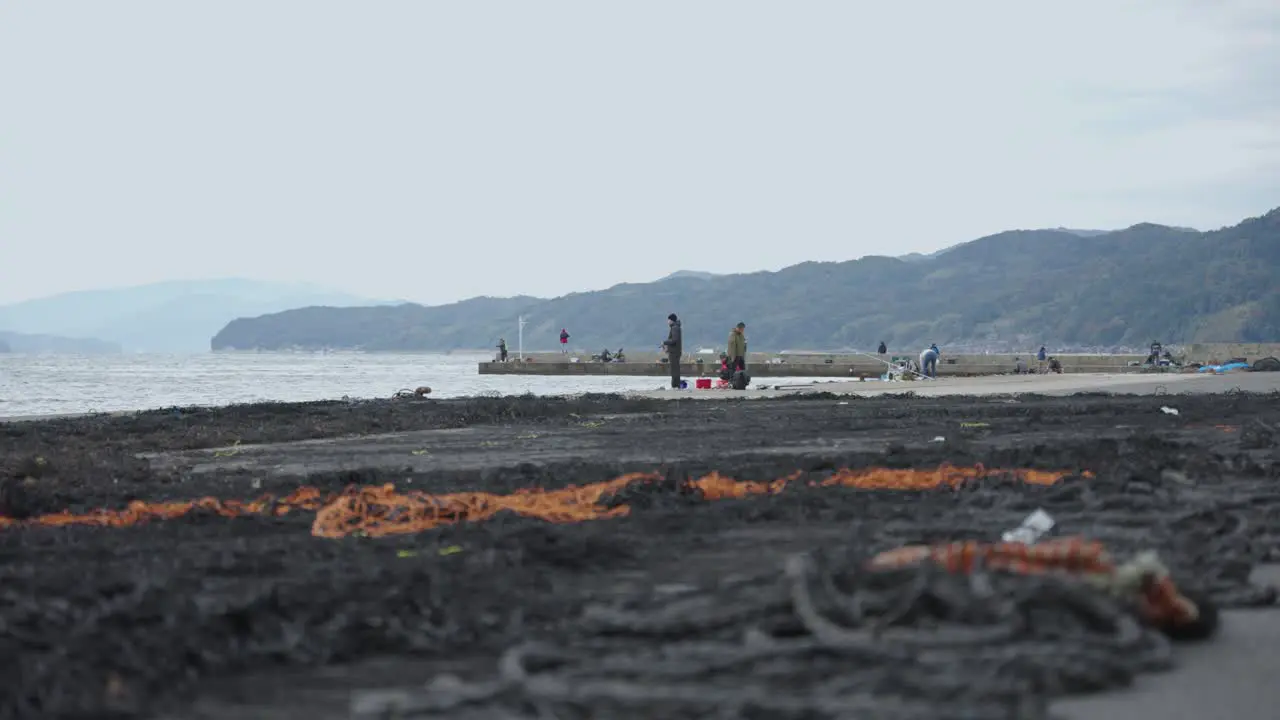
(703,383)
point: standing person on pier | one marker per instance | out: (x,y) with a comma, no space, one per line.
(674,346)
(737,347)
(737,352)
(502,349)
(564,341)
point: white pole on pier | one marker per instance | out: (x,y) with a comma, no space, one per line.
(521,338)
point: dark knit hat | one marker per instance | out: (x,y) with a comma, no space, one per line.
(672,317)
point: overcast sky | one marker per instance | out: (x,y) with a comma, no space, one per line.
(439,150)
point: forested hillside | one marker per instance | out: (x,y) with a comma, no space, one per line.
(1059,287)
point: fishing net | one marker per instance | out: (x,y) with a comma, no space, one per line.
(826,637)
(377,511)
(823,634)
(886,627)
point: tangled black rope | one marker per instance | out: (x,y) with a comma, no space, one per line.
(823,639)
(96,621)
(827,637)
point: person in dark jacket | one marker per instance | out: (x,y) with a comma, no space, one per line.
(883,348)
(737,347)
(674,345)
(564,341)
(502,349)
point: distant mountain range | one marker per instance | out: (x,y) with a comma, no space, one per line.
(176,317)
(11,342)
(1083,233)
(690,275)
(1095,233)
(1019,288)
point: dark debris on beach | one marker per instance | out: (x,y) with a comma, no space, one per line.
(662,613)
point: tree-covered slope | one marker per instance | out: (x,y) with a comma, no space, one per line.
(1058,287)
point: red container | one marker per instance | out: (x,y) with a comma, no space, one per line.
(703,384)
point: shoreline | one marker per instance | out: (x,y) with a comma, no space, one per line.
(1066,384)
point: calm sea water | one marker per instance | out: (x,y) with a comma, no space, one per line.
(40,385)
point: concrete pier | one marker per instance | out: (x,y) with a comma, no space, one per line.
(1171,384)
(763,365)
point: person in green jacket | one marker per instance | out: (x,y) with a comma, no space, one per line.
(737,350)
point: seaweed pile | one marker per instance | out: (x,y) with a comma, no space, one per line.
(116,621)
(823,636)
(123,623)
(819,640)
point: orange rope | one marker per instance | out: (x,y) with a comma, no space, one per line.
(139,511)
(1070,554)
(379,511)
(1159,601)
(715,486)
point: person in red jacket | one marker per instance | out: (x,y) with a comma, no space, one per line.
(564,341)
